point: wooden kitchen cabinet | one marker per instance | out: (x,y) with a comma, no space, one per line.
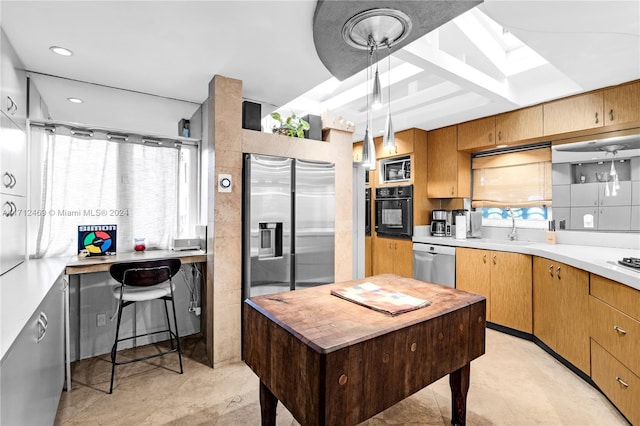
(357,152)
(504,279)
(473,273)
(448,170)
(368,267)
(393,256)
(561,310)
(477,134)
(520,125)
(405,144)
(622,104)
(614,311)
(575,113)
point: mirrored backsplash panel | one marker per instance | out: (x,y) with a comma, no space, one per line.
(596,185)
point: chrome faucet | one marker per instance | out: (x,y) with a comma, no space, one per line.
(512,234)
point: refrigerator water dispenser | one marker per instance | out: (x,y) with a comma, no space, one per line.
(270,240)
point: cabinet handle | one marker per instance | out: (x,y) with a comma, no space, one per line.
(12,209)
(558,272)
(551,270)
(484,258)
(395,246)
(8,180)
(500,135)
(12,107)
(619,330)
(452,190)
(622,382)
(494,259)
(611,114)
(490,136)
(42,327)
(597,121)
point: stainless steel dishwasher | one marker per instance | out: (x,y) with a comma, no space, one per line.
(434,263)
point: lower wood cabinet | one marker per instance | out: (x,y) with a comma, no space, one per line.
(504,279)
(619,383)
(561,310)
(368,267)
(615,343)
(393,256)
(32,371)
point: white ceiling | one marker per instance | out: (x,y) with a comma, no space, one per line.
(172,49)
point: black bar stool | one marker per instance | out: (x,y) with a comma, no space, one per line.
(141,281)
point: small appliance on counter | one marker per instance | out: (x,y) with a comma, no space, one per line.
(440,226)
(454,214)
(474,230)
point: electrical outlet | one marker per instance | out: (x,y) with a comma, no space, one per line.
(101,319)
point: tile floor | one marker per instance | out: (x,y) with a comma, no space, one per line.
(514,383)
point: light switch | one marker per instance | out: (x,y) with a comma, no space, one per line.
(224,183)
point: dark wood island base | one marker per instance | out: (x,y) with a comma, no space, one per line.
(333,362)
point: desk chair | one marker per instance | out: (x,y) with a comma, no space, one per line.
(140,281)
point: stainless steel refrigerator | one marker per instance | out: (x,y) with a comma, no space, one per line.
(288,224)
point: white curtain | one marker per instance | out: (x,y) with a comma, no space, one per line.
(100,182)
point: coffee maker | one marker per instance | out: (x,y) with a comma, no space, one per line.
(440,223)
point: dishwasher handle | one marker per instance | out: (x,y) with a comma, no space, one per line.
(434,249)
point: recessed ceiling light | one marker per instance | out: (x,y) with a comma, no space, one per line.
(502,146)
(75,100)
(61,51)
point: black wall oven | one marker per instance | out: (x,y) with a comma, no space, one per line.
(394,211)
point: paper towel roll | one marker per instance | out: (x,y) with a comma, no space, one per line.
(461,227)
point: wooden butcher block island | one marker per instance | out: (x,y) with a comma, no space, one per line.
(333,362)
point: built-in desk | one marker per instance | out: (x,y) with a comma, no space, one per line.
(76,267)
(103,263)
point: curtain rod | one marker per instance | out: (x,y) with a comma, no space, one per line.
(114,134)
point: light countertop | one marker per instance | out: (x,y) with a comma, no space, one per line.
(598,260)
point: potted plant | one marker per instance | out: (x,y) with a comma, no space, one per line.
(293,125)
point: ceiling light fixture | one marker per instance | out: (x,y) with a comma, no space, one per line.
(61,51)
(371,30)
(75,100)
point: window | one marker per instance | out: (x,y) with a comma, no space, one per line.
(93,179)
(518,179)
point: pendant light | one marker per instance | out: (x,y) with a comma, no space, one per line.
(389,138)
(368,147)
(377,89)
(613,174)
(369,30)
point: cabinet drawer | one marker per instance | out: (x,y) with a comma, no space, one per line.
(620,385)
(620,296)
(618,333)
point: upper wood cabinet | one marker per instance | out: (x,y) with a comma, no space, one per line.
(622,104)
(575,113)
(404,144)
(520,125)
(357,152)
(477,134)
(448,170)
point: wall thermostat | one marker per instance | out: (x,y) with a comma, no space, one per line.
(224,183)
